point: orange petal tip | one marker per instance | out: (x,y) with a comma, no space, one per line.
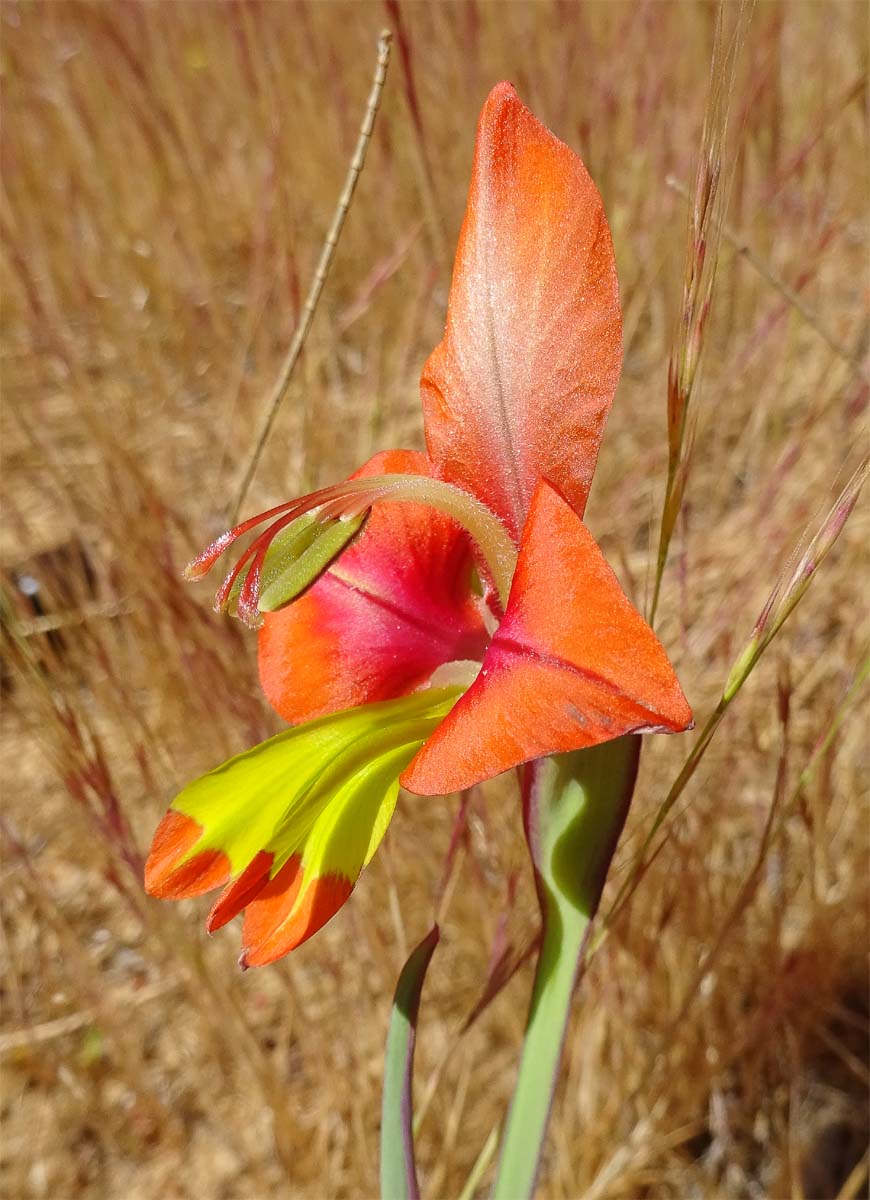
(288,912)
(240,892)
(171,873)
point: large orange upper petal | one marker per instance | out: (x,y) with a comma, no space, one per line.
(572,664)
(396,605)
(520,387)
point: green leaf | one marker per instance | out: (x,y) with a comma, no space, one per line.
(398,1168)
(574,807)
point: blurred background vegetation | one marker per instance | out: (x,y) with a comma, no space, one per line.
(168,173)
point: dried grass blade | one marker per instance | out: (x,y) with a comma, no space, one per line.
(322,270)
(705,229)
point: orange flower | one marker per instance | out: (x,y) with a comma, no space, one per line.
(467,629)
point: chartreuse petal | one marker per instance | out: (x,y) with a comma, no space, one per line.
(346,812)
(306,806)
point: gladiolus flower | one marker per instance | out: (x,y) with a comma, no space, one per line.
(454,617)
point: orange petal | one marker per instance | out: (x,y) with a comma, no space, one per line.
(520,387)
(169,874)
(572,664)
(240,891)
(288,911)
(395,607)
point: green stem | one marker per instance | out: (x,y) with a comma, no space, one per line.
(574,808)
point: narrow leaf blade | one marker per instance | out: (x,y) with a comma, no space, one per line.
(398,1168)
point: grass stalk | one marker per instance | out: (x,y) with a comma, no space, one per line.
(330,244)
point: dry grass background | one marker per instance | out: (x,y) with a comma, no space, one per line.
(168,173)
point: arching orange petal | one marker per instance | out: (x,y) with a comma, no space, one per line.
(395,606)
(288,911)
(169,873)
(520,387)
(273,903)
(572,664)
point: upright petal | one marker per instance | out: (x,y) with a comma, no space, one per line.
(572,664)
(520,387)
(395,606)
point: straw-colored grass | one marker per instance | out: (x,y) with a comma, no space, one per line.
(169,171)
